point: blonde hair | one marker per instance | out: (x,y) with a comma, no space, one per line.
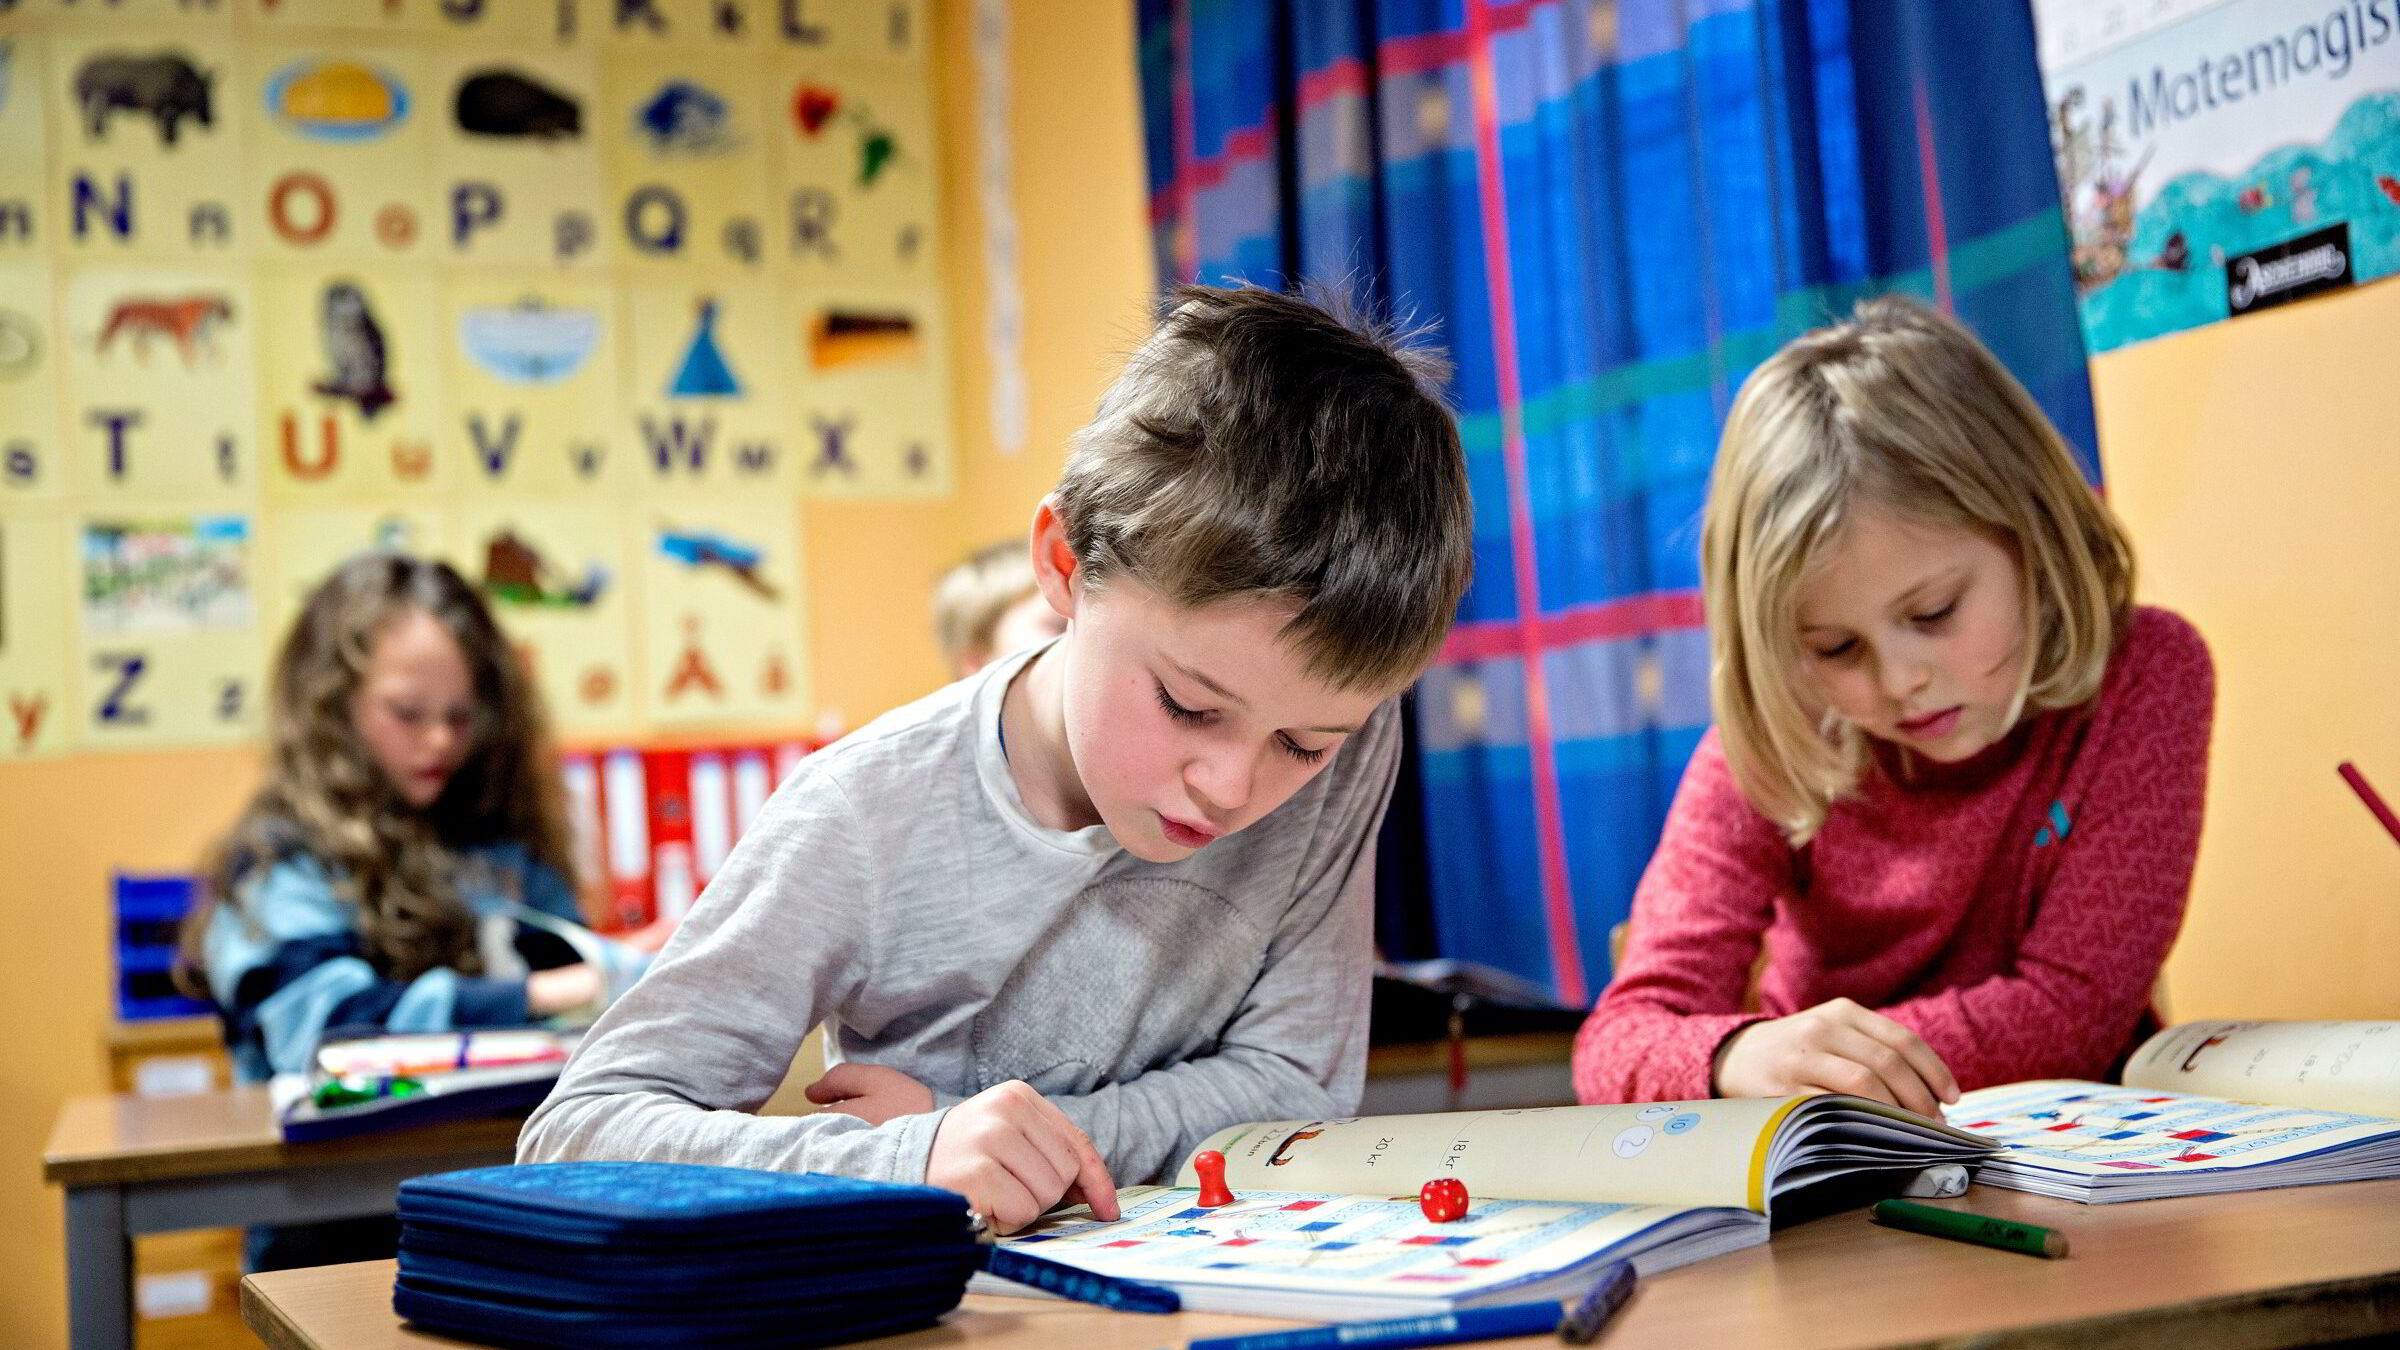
(1901,408)
(325,797)
(971,597)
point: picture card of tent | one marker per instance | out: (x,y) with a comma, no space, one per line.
(2205,1107)
(1325,1220)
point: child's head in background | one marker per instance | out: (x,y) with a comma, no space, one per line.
(401,724)
(989,606)
(395,688)
(1898,546)
(1262,534)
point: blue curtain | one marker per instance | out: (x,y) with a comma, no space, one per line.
(1613,211)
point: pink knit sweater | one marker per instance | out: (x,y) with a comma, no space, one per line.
(2013,910)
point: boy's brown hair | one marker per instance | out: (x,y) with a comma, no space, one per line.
(1267,445)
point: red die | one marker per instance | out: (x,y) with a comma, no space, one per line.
(1444,1200)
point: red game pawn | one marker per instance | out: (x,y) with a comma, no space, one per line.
(1210,1164)
(1444,1200)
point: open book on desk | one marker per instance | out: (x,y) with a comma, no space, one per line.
(1325,1221)
(2205,1107)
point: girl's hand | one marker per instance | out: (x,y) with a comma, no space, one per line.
(650,936)
(1836,1047)
(870,1092)
(1014,1154)
(562,989)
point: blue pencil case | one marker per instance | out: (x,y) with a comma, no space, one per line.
(603,1254)
(797,1288)
(573,1328)
(613,1204)
(635,1265)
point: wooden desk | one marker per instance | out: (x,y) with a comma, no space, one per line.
(2262,1268)
(137,1165)
(194,1046)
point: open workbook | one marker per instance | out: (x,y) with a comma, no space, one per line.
(2205,1107)
(1325,1219)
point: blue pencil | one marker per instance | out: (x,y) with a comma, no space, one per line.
(1589,1318)
(1395,1333)
(1082,1286)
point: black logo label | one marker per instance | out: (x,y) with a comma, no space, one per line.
(2292,270)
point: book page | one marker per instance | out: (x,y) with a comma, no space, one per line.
(2337,1066)
(1657,1153)
(1319,1243)
(2094,1128)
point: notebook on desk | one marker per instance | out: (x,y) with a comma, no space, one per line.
(2205,1107)
(365,1084)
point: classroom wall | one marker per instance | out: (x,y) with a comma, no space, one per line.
(2250,460)
(1086,273)
(2253,462)
(66,824)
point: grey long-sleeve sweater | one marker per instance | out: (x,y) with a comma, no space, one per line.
(896,889)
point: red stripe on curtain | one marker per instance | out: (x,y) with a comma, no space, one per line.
(1566,958)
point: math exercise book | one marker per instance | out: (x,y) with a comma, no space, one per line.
(2205,1107)
(1325,1220)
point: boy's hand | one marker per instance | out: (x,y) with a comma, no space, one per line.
(1014,1155)
(870,1092)
(1836,1047)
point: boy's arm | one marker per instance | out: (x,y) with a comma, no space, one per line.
(1297,1046)
(1698,914)
(2102,926)
(674,1070)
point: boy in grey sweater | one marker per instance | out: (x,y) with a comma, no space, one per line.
(1070,915)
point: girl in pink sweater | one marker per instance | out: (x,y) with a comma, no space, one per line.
(1955,783)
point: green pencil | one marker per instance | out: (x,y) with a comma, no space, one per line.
(1966,1226)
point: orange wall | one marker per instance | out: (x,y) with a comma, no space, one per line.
(2253,462)
(65,824)
(68,823)
(1082,222)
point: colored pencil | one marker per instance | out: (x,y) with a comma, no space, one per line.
(2383,813)
(1962,1225)
(1393,1333)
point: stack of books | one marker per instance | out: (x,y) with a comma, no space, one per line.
(591,1254)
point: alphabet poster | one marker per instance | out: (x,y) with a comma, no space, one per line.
(584,296)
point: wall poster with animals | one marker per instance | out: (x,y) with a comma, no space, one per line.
(584,295)
(2221,156)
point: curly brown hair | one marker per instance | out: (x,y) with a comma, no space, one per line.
(325,797)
